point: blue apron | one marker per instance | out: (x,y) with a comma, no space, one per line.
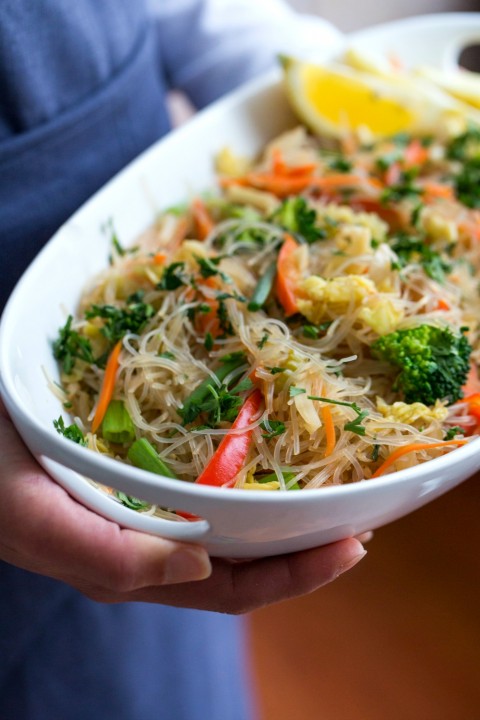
(62,656)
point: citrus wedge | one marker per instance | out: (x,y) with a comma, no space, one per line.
(369,62)
(462,84)
(336,100)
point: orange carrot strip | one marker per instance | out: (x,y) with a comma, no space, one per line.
(287,276)
(415,154)
(278,163)
(108,385)
(279,166)
(279,185)
(442,305)
(209,322)
(201,217)
(299,179)
(329,430)
(413,447)
(433,190)
(159,258)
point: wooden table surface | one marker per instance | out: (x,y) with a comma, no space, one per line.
(396,638)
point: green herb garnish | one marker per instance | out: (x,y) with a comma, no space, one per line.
(71,432)
(71,346)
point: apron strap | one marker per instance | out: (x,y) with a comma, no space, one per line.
(47,173)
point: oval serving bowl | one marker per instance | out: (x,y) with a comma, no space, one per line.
(234,523)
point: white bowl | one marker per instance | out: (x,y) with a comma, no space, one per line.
(236,523)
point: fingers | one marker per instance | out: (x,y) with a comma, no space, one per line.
(242,587)
(365,537)
(44,530)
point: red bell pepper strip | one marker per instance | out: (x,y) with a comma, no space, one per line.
(232,452)
(287,277)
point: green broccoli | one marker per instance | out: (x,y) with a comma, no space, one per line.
(433,362)
(295,215)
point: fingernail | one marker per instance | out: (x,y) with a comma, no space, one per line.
(187,565)
(348,565)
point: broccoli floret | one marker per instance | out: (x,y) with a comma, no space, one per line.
(295,215)
(433,362)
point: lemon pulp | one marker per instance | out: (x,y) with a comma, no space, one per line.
(351,104)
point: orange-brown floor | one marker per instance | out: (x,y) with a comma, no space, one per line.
(396,638)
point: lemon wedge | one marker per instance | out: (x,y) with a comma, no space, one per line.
(335,100)
(462,84)
(369,62)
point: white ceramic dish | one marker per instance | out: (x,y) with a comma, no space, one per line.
(236,523)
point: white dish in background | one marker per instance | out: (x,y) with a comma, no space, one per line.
(237,523)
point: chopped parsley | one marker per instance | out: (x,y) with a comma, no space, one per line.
(467,183)
(71,432)
(173,277)
(295,215)
(405,188)
(456,430)
(340,164)
(209,268)
(120,321)
(414,248)
(272,428)
(71,346)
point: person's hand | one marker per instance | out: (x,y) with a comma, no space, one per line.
(42,529)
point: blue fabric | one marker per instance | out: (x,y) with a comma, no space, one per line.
(48,170)
(74,109)
(64,657)
(55,54)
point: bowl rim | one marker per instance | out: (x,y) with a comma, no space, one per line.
(57,447)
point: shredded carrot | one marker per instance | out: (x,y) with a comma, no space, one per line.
(293,183)
(442,305)
(201,217)
(108,385)
(209,321)
(159,258)
(433,190)
(415,154)
(329,429)
(470,228)
(413,447)
(278,163)
(287,276)
(279,185)
(279,166)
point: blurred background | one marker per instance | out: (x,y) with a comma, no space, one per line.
(350,15)
(398,637)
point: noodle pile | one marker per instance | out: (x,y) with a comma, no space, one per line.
(352,244)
